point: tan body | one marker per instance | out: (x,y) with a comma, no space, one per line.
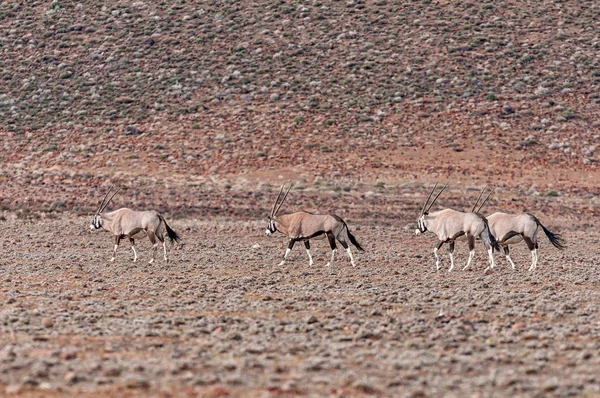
(127,223)
(303,226)
(451,225)
(511,229)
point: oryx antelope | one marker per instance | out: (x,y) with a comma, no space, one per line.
(512,229)
(451,225)
(127,223)
(305,226)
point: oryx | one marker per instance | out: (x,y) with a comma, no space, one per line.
(305,226)
(127,223)
(451,225)
(512,228)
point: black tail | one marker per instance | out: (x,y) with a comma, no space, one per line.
(350,236)
(173,236)
(353,240)
(556,240)
(493,240)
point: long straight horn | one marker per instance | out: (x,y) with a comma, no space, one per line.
(486,198)
(283,200)
(429,197)
(111,198)
(103,200)
(276,200)
(477,201)
(438,195)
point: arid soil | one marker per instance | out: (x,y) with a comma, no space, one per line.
(202,109)
(223,318)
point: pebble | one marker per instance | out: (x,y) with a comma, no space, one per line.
(47,322)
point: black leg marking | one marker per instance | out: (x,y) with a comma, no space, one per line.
(307,245)
(471,241)
(457,235)
(508,236)
(331,240)
(452,247)
(440,244)
(344,244)
(291,244)
(529,242)
(506,250)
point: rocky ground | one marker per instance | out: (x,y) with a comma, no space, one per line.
(202,109)
(223,319)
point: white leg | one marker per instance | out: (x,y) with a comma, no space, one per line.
(134,253)
(451,262)
(510,261)
(471,255)
(165,251)
(114,253)
(534,259)
(287,252)
(154,247)
(332,256)
(351,258)
(310,260)
(437,258)
(491,258)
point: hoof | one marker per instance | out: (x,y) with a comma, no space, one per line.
(328,265)
(310,264)
(112,260)
(151,261)
(282,263)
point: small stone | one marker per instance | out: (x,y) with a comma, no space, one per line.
(47,322)
(312,319)
(256,246)
(518,325)
(508,109)
(71,378)
(132,130)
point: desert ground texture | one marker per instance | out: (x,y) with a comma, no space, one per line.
(201,110)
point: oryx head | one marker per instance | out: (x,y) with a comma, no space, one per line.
(271,227)
(421,224)
(97,219)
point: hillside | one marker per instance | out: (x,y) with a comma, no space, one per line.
(351,93)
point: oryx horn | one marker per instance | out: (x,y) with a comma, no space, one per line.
(479,197)
(108,201)
(276,201)
(276,209)
(104,200)
(429,197)
(437,196)
(485,200)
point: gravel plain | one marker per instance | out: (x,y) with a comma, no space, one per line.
(222,318)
